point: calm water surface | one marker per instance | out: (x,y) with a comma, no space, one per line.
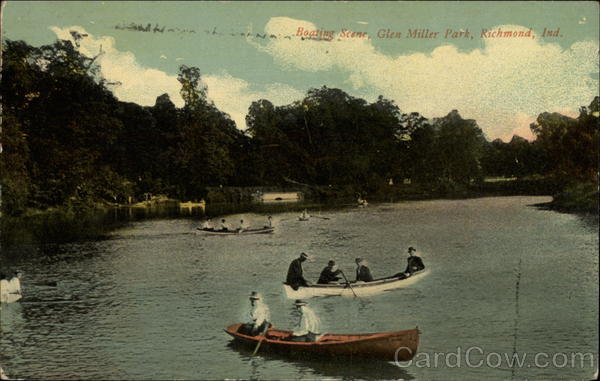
(151,301)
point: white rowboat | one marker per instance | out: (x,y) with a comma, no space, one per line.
(359,288)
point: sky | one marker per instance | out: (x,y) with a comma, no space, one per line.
(429,57)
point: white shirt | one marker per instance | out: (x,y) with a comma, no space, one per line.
(244,226)
(4,290)
(309,322)
(14,286)
(225,226)
(259,314)
(207,225)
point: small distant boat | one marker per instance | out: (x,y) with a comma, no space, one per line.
(361,203)
(385,346)
(358,288)
(265,230)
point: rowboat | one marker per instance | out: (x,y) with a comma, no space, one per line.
(385,346)
(264,230)
(358,288)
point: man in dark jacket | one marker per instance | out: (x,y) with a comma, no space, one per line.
(295,275)
(329,273)
(362,271)
(414,264)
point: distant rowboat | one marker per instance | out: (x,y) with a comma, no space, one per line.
(359,288)
(385,346)
(264,230)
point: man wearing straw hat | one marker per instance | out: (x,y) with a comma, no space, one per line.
(259,316)
(308,327)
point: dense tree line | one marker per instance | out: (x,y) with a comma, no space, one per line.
(67,140)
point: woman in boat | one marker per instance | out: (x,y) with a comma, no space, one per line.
(329,273)
(259,316)
(309,325)
(363,273)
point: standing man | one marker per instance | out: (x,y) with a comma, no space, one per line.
(295,275)
(362,271)
(308,327)
(259,316)
(329,273)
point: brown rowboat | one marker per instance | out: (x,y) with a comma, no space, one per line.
(386,346)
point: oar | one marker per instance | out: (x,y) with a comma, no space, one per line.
(264,333)
(348,283)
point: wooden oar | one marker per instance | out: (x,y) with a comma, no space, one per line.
(348,283)
(264,333)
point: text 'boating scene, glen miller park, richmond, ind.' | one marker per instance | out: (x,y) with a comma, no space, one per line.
(274,190)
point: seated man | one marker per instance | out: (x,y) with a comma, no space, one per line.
(308,327)
(243,226)
(414,264)
(362,271)
(329,273)
(258,317)
(207,225)
(224,226)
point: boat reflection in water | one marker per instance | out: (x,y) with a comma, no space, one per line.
(314,366)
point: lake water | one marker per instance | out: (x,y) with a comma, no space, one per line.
(151,300)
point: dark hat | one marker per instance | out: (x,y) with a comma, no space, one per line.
(304,255)
(255,296)
(357,260)
(300,302)
(412,249)
(331,262)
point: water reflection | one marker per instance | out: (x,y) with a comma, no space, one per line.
(308,366)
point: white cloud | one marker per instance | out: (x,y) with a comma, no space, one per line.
(502,84)
(142,85)
(234,95)
(138,84)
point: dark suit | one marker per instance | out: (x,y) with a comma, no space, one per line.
(414,264)
(329,276)
(363,274)
(295,277)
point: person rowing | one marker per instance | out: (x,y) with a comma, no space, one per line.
(295,275)
(329,273)
(363,273)
(309,325)
(259,316)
